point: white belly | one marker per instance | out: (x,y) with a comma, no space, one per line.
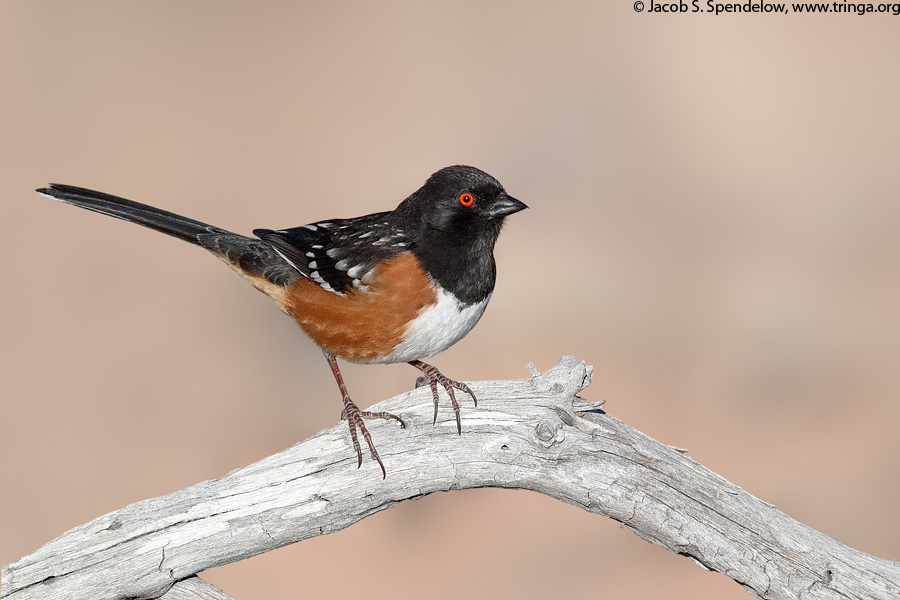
(436,328)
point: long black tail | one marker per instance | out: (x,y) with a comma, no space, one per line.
(183,228)
(249,256)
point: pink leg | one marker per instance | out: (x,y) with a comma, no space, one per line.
(355,417)
(435,377)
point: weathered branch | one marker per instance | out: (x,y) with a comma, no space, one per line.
(532,433)
(194,588)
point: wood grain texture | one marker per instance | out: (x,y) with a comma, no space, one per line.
(533,433)
(194,588)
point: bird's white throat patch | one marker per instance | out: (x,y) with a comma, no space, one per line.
(436,328)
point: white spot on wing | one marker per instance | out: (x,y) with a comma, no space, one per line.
(322,283)
(311,227)
(287,260)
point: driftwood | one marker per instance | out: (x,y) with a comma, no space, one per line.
(533,433)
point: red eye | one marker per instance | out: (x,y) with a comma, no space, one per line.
(466,199)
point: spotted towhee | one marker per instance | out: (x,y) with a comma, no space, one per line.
(388,287)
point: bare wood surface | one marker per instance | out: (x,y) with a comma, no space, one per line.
(194,588)
(532,433)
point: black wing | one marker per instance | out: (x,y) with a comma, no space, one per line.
(339,254)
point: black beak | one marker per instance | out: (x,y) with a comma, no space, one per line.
(505,205)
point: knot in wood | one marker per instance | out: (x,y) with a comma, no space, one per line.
(548,433)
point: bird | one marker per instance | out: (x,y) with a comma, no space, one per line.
(388,287)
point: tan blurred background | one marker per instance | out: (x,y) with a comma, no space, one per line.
(713,225)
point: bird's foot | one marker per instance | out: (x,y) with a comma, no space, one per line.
(354,418)
(434,377)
